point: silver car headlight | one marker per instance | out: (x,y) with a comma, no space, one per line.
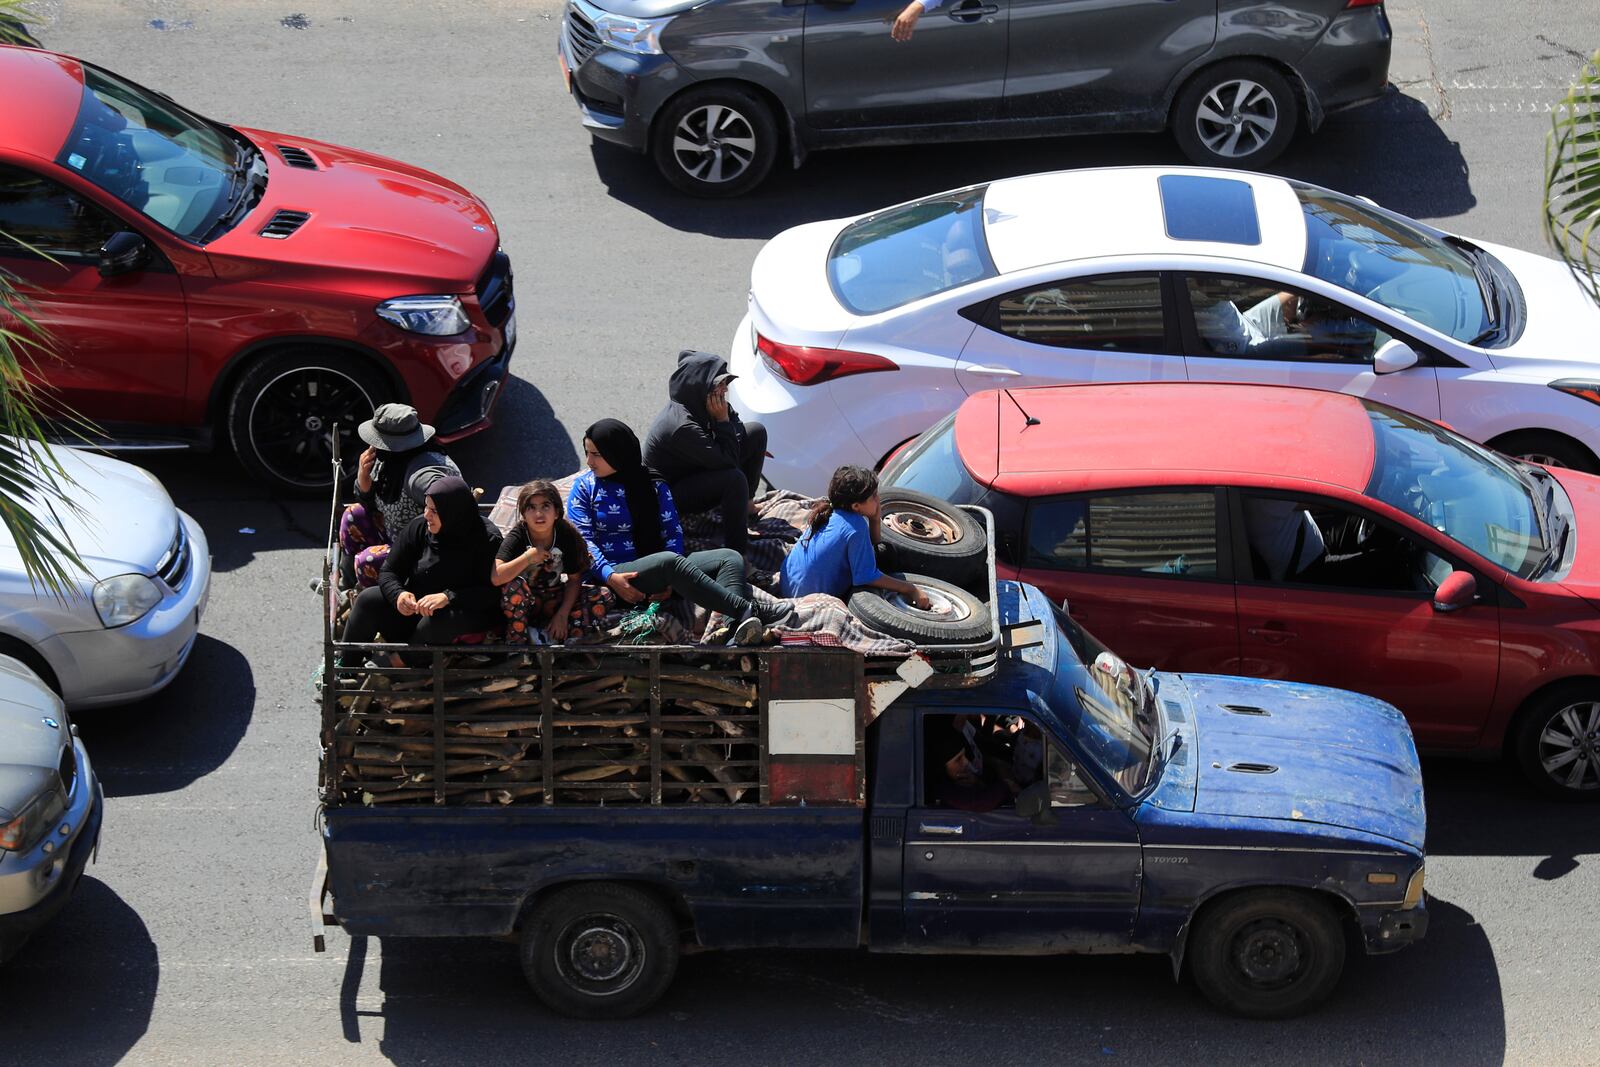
(436,316)
(639,36)
(36,820)
(125,598)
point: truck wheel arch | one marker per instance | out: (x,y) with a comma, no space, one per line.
(1343,906)
(672,898)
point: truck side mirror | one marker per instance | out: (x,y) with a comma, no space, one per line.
(1033,804)
(124,251)
(1458,590)
(1393,356)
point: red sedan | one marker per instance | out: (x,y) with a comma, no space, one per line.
(199,279)
(1302,535)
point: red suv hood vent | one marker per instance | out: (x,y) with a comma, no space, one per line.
(284,223)
(296,157)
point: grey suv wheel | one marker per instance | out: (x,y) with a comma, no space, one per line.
(1235,114)
(715,141)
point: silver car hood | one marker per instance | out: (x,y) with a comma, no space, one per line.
(30,747)
(124,520)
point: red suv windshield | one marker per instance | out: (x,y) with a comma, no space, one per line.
(171,166)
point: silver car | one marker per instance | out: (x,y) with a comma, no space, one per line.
(50,805)
(130,625)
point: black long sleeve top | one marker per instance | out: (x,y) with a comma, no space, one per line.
(418,565)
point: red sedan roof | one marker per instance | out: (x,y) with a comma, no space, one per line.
(1169,433)
(47,90)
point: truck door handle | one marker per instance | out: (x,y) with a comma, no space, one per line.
(941,828)
(992,372)
(1273,634)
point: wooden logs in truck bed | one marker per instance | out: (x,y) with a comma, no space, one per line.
(489,736)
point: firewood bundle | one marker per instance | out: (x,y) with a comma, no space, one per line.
(611,731)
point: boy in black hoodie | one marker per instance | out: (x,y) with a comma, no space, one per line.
(701,449)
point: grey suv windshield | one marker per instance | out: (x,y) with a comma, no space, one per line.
(1386,259)
(1462,490)
(170,166)
(910,252)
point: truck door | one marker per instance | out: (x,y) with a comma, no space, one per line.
(992,881)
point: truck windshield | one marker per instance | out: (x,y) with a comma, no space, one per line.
(1107,707)
(910,252)
(169,165)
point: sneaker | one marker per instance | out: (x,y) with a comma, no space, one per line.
(749,631)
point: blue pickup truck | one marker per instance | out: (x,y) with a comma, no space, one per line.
(609,808)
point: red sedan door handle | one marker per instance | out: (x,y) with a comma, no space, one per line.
(1272,634)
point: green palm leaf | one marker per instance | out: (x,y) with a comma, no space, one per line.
(1572,180)
(34,487)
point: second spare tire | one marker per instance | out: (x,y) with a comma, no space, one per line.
(926,535)
(954,617)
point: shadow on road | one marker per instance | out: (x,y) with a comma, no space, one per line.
(1486,809)
(1354,152)
(816,1007)
(527,441)
(201,716)
(81,992)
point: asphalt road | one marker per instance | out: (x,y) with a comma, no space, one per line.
(189,941)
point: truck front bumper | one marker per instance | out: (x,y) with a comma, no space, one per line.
(1391,931)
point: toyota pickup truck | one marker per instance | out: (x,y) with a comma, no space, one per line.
(609,808)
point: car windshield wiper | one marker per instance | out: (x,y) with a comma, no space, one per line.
(1488,287)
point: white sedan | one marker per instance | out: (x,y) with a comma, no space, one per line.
(128,627)
(862,332)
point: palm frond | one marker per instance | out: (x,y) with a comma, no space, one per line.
(1572,180)
(14,18)
(34,485)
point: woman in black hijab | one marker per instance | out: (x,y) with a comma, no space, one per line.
(635,538)
(437,582)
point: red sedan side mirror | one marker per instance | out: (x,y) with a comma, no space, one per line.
(1454,593)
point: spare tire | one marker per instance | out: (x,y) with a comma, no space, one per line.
(955,617)
(926,535)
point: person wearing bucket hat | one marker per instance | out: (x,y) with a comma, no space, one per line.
(707,455)
(391,482)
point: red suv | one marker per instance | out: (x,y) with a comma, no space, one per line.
(1302,535)
(200,279)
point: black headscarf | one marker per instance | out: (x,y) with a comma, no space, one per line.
(619,447)
(461,528)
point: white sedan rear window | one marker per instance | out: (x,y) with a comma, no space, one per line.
(910,252)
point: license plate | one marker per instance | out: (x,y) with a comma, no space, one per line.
(511,330)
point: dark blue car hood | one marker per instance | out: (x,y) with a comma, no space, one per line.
(1305,753)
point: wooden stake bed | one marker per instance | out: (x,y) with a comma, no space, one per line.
(610,724)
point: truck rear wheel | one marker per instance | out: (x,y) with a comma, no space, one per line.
(1267,953)
(599,951)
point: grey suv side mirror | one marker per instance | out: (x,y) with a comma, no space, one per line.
(1393,356)
(124,251)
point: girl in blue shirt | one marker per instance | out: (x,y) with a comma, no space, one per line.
(635,538)
(837,553)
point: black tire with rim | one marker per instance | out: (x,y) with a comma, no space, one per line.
(1547,449)
(1241,113)
(954,617)
(715,141)
(1557,742)
(929,536)
(1267,953)
(599,950)
(281,414)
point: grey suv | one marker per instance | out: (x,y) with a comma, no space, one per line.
(715,90)
(50,805)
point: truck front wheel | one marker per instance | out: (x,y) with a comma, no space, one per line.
(599,951)
(1268,953)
